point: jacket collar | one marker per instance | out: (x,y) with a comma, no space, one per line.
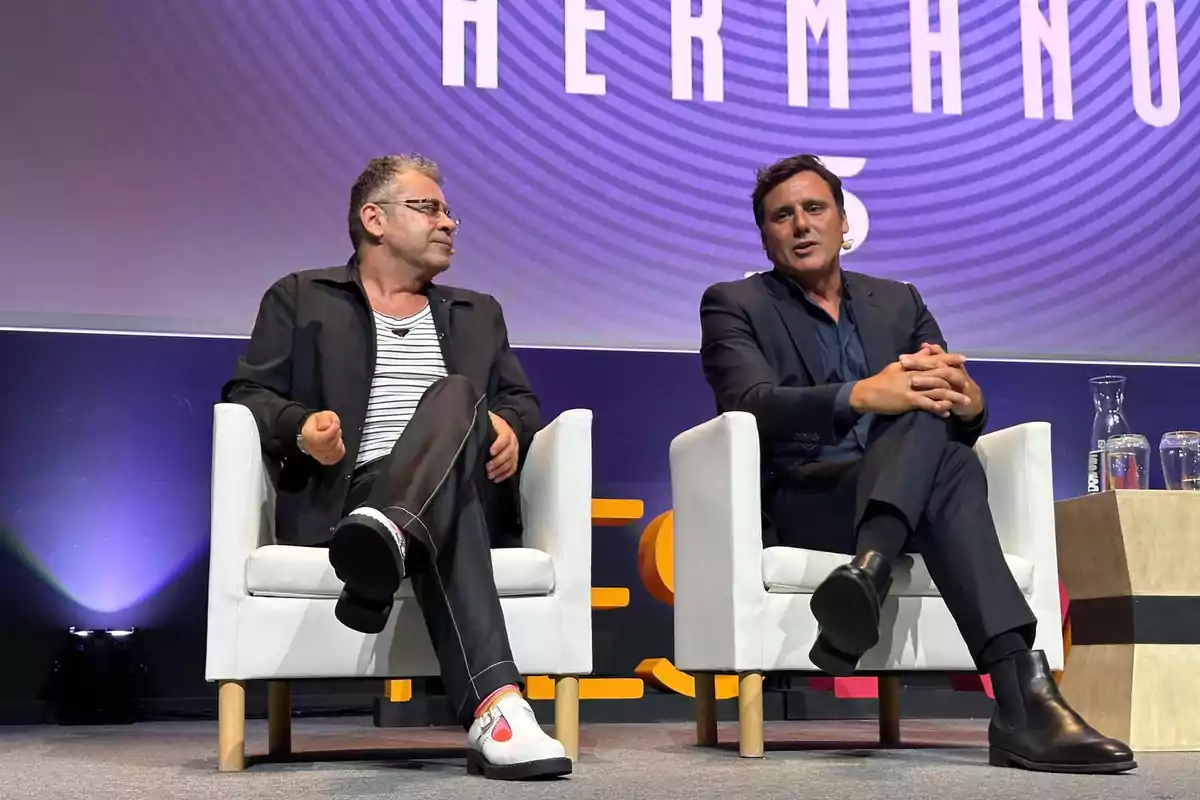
(348,275)
(854,285)
(870,319)
(442,300)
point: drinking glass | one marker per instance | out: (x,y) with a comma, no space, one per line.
(1180,454)
(1127,462)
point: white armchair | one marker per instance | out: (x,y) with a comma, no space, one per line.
(270,606)
(740,608)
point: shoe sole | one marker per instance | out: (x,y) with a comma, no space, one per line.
(365,558)
(1003,758)
(526,770)
(361,614)
(847,614)
(832,662)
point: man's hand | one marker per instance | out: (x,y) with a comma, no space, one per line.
(932,366)
(892,391)
(322,437)
(504,452)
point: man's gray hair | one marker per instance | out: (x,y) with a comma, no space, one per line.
(374,184)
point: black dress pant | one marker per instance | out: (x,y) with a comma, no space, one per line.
(433,486)
(914,469)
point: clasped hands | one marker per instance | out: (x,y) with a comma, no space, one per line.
(929,380)
(321,437)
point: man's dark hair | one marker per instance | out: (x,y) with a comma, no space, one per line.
(768,178)
(374,184)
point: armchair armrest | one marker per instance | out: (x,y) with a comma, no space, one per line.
(1020,481)
(242,518)
(1021,489)
(717,503)
(556,509)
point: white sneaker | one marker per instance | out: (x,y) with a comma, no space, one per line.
(507,744)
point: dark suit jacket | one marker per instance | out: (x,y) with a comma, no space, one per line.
(761,355)
(313,348)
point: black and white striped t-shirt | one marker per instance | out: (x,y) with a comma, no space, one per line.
(405,366)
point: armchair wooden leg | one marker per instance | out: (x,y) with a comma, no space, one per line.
(706,709)
(231,726)
(279,718)
(566,714)
(750,715)
(889,709)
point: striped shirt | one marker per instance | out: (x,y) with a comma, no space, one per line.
(406,364)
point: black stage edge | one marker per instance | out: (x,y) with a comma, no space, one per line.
(307,701)
(365,697)
(802,704)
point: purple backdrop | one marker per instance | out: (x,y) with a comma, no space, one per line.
(195,151)
(104,482)
(104,476)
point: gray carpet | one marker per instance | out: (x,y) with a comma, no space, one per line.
(807,761)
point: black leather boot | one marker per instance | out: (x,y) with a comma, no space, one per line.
(1037,730)
(846,606)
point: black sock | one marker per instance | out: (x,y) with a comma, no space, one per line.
(996,659)
(884,531)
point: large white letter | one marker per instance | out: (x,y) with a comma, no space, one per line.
(579,20)
(1168,62)
(1053,34)
(829,15)
(455,16)
(856,211)
(706,28)
(945,42)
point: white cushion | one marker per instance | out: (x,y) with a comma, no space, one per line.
(792,570)
(287,571)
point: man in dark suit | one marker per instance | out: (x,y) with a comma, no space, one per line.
(394,416)
(867,424)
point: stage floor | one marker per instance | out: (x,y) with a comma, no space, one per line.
(349,758)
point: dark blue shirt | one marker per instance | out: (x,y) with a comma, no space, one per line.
(845,363)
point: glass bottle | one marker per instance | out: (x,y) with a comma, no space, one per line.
(1108,396)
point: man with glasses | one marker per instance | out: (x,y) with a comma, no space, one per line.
(395,416)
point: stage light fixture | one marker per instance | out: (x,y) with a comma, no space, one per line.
(96,678)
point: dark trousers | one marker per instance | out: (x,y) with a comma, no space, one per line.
(912,468)
(433,486)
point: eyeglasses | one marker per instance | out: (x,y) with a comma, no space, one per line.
(429,206)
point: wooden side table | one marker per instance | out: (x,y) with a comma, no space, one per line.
(1130,561)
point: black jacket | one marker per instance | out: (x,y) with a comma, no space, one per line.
(313,349)
(761,355)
